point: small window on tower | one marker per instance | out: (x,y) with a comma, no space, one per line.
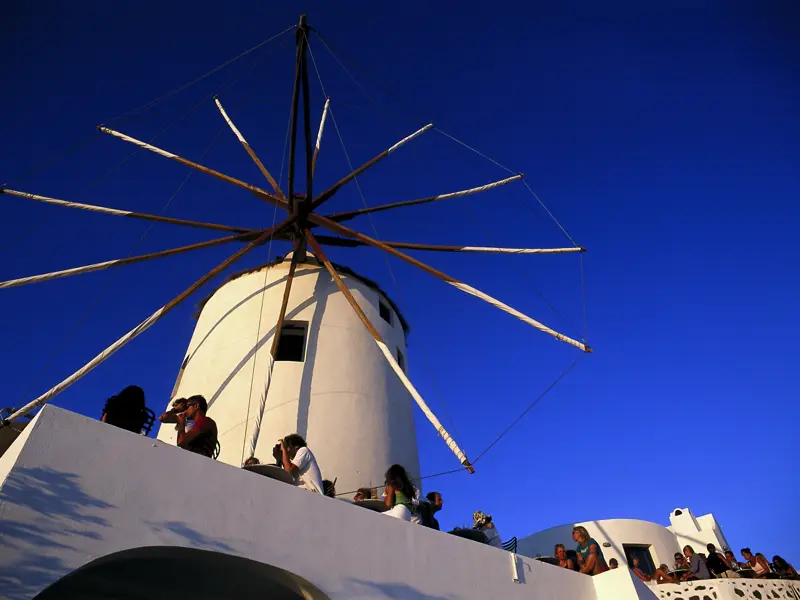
(292,342)
(401,360)
(385,311)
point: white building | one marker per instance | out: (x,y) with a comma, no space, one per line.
(330,384)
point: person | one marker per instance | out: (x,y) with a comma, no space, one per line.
(760,567)
(298,460)
(638,571)
(662,575)
(202,438)
(560,552)
(171,416)
(251,462)
(680,562)
(398,493)
(718,564)
(697,565)
(613,564)
(729,556)
(483,523)
(590,557)
(362,494)
(329,488)
(783,568)
(436,503)
(126,410)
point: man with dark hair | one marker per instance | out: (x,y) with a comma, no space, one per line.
(697,565)
(202,439)
(718,564)
(298,460)
(435,503)
(126,410)
(613,564)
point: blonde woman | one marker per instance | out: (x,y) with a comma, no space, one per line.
(590,557)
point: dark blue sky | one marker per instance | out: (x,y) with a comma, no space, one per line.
(664,139)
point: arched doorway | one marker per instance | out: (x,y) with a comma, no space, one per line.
(169,572)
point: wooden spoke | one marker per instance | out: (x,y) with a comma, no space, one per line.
(346,216)
(125,213)
(346,231)
(148,322)
(351,243)
(249,150)
(319,134)
(379,341)
(108,264)
(256,191)
(327,194)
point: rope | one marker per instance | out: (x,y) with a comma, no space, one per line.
(448,416)
(152,103)
(263,404)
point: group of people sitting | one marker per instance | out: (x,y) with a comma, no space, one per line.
(588,558)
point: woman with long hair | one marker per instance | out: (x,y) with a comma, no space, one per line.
(782,567)
(398,494)
(590,556)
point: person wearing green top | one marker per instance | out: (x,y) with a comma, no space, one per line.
(398,494)
(590,557)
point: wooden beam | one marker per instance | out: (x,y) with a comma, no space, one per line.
(319,135)
(256,191)
(147,323)
(108,264)
(327,194)
(125,213)
(346,231)
(249,150)
(346,216)
(379,341)
(351,243)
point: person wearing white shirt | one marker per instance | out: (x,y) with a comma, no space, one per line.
(298,460)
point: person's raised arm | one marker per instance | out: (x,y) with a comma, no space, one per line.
(168,417)
(286,461)
(388,500)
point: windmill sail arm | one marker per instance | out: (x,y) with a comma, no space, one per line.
(124,213)
(351,243)
(378,339)
(146,324)
(343,230)
(118,262)
(346,216)
(319,134)
(256,191)
(327,194)
(250,151)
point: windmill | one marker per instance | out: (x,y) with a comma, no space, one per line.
(300,227)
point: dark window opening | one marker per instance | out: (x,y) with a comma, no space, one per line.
(385,311)
(401,360)
(642,552)
(292,342)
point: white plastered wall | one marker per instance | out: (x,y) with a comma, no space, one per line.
(344,399)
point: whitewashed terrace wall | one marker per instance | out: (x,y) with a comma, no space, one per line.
(75,490)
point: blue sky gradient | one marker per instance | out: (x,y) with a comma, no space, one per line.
(664,138)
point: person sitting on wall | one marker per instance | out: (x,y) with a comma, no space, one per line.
(398,493)
(483,522)
(718,564)
(638,572)
(560,552)
(251,462)
(697,565)
(612,564)
(329,488)
(590,557)
(662,575)
(758,564)
(362,494)
(731,558)
(436,503)
(202,438)
(298,460)
(681,564)
(126,410)
(783,568)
